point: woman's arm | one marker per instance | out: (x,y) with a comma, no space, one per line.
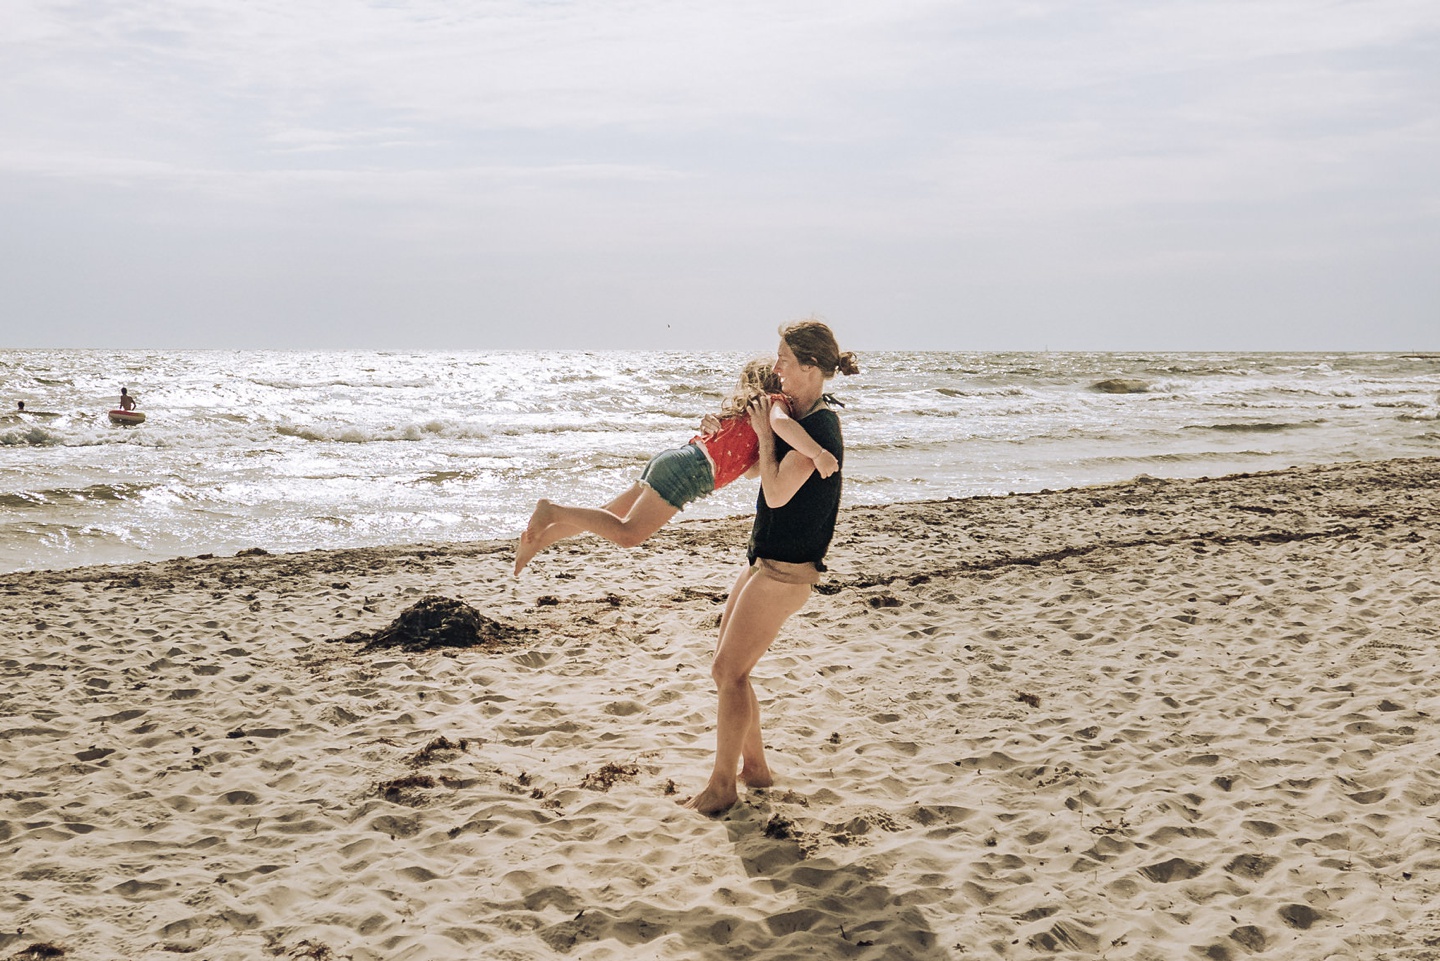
(779,479)
(792,432)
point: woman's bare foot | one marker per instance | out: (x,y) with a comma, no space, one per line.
(530,541)
(756,775)
(713,801)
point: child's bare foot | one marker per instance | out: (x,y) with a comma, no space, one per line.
(530,543)
(712,801)
(524,551)
(540,519)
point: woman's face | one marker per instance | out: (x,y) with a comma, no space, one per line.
(786,366)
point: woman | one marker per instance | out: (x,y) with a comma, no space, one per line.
(794,522)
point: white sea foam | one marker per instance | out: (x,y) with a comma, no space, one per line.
(291,450)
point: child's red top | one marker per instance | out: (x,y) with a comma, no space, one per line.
(734,448)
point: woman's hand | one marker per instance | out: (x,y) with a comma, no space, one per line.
(759,411)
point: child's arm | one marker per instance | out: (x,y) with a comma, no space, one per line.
(791,432)
(779,479)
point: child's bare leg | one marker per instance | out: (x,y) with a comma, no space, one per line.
(541,532)
(649,513)
(628,520)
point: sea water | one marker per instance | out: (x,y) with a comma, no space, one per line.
(294,450)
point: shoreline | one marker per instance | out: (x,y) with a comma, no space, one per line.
(294,453)
(1149,719)
(262,556)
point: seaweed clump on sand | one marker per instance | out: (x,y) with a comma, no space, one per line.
(42,949)
(608,776)
(439,622)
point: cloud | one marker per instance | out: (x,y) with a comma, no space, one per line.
(780,146)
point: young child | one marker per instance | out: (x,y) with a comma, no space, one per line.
(674,478)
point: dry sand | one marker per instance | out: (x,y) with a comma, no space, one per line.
(1159,720)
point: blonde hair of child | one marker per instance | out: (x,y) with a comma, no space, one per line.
(756,377)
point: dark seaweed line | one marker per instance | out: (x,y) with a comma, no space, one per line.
(1036,560)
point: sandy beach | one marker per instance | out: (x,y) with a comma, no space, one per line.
(1159,719)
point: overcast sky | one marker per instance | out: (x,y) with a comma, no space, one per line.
(678,174)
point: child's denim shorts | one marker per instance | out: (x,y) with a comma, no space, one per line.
(680,476)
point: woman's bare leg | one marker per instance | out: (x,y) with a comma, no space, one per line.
(628,520)
(754,770)
(759,606)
